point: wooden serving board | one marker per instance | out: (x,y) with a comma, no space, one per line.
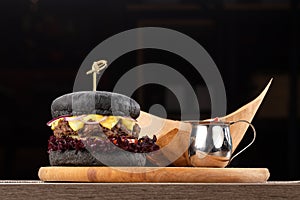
(154,174)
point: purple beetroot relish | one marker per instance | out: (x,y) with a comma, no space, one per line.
(142,145)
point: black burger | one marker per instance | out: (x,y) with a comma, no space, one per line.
(96,128)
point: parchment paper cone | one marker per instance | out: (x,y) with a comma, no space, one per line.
(174,135)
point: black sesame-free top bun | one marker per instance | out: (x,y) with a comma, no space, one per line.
(95,102)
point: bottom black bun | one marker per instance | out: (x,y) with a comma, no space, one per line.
(85,158)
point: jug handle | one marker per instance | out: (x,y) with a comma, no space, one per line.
(254,137)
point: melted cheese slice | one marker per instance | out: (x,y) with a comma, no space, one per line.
(55,123)
(76,125)
(106,121)
(110,122)
(128,123)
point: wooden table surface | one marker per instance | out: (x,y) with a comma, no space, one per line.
(41,190)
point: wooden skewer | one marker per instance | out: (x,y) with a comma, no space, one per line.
(96,68)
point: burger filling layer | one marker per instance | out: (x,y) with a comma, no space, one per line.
(97,131)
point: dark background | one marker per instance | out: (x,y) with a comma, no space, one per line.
(44,42)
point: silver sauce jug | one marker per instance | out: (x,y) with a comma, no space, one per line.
(211,143)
